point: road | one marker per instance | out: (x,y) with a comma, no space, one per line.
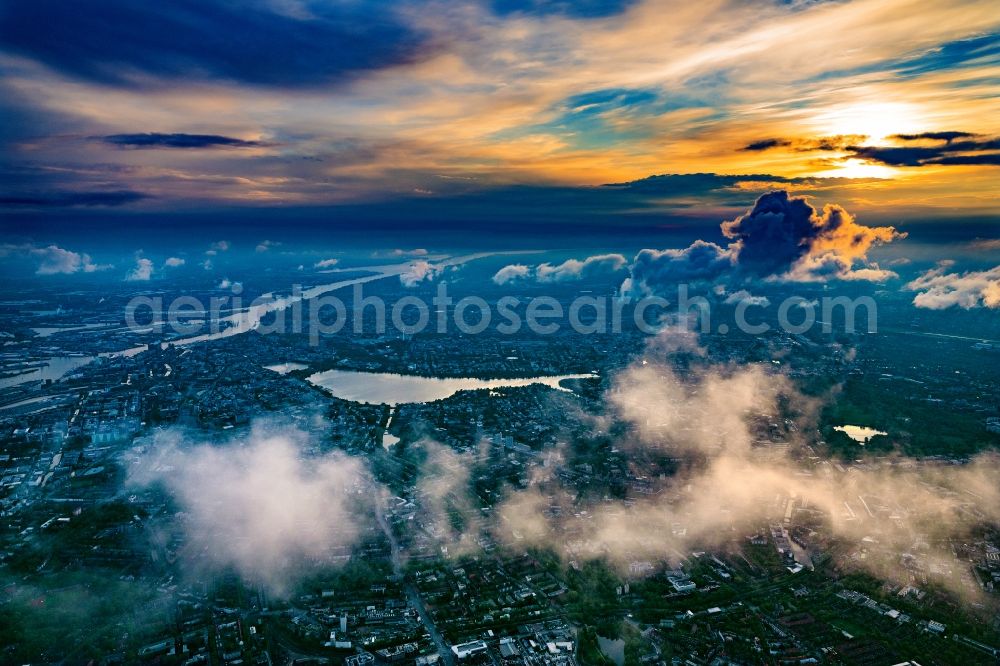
(447,656)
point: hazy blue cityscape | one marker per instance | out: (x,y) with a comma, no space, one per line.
(499,333)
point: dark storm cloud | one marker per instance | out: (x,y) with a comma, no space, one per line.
(896,156)
(782,237)
(659,201)
(128,43)
(947,147)
(774,234)
(27,185)
(176,140)
(67,199)
(836,142)
(949,151)
(972,145)
(679,206)
(785,236)
(985,159)
(694,183)
(934,136)
(580,9)
(699,261)
(766,144)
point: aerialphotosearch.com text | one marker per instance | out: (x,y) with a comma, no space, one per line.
(587,314)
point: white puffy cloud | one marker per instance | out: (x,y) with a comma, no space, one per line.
(707,414)
(574,269)
(326,263)
(266,245)
(601,265)
(940,289)
(142,272)
(173,262)
(419,271)
(217,247)
(744,296)
(260,504)
(511,273)
(53,260)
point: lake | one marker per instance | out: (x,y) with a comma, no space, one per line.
(285,368)
(859,434)
(394,389)
(612,649)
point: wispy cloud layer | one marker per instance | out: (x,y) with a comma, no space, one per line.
(176,140)
(122,43)
(317,103)
(893,521)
